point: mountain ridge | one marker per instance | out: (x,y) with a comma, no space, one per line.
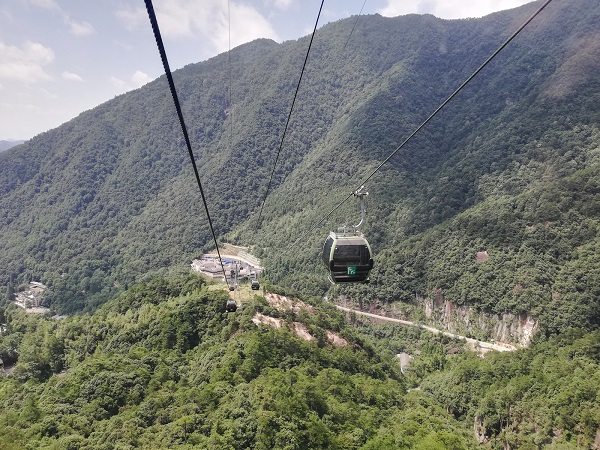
(108,198)
(9,143)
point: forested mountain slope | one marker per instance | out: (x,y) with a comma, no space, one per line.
(163,365)
(510,166)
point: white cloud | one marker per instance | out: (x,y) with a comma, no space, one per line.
(208,20)
(246,25)
(279,4)
(133,18)
(29,52)
(27,73)
(140,78)
(137,80)
(448,9)
(79,28)
(177,18)
(71,76)
(25,63)
(118,84)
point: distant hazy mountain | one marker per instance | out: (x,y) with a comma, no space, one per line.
(5,145)
(509,167)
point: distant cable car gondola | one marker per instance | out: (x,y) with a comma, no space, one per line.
(231,306)
(347,254)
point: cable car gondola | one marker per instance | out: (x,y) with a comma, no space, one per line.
(347,254)
(348,258)
(231,306)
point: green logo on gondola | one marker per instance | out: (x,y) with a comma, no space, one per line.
(351,270)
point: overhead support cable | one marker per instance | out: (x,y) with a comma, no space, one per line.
(163,56)
(258,222)
(439,108)
(230,80)
(355,22)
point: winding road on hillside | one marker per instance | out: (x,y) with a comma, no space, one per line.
(501,347)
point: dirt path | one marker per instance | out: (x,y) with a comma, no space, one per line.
(501,347)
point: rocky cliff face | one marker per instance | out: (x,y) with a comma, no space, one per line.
(466,320)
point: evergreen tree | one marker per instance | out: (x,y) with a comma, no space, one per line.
(10,292)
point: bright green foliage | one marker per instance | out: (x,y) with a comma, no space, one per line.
(543,396)
(511,167)
(422,425)
(163,364)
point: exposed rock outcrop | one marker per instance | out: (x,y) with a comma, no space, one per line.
(464,319)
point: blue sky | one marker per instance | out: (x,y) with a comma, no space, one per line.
(59,58)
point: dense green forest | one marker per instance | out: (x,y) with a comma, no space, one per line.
(163,365)
(510,166)
(105,211)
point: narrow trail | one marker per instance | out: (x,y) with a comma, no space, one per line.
(501,347)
